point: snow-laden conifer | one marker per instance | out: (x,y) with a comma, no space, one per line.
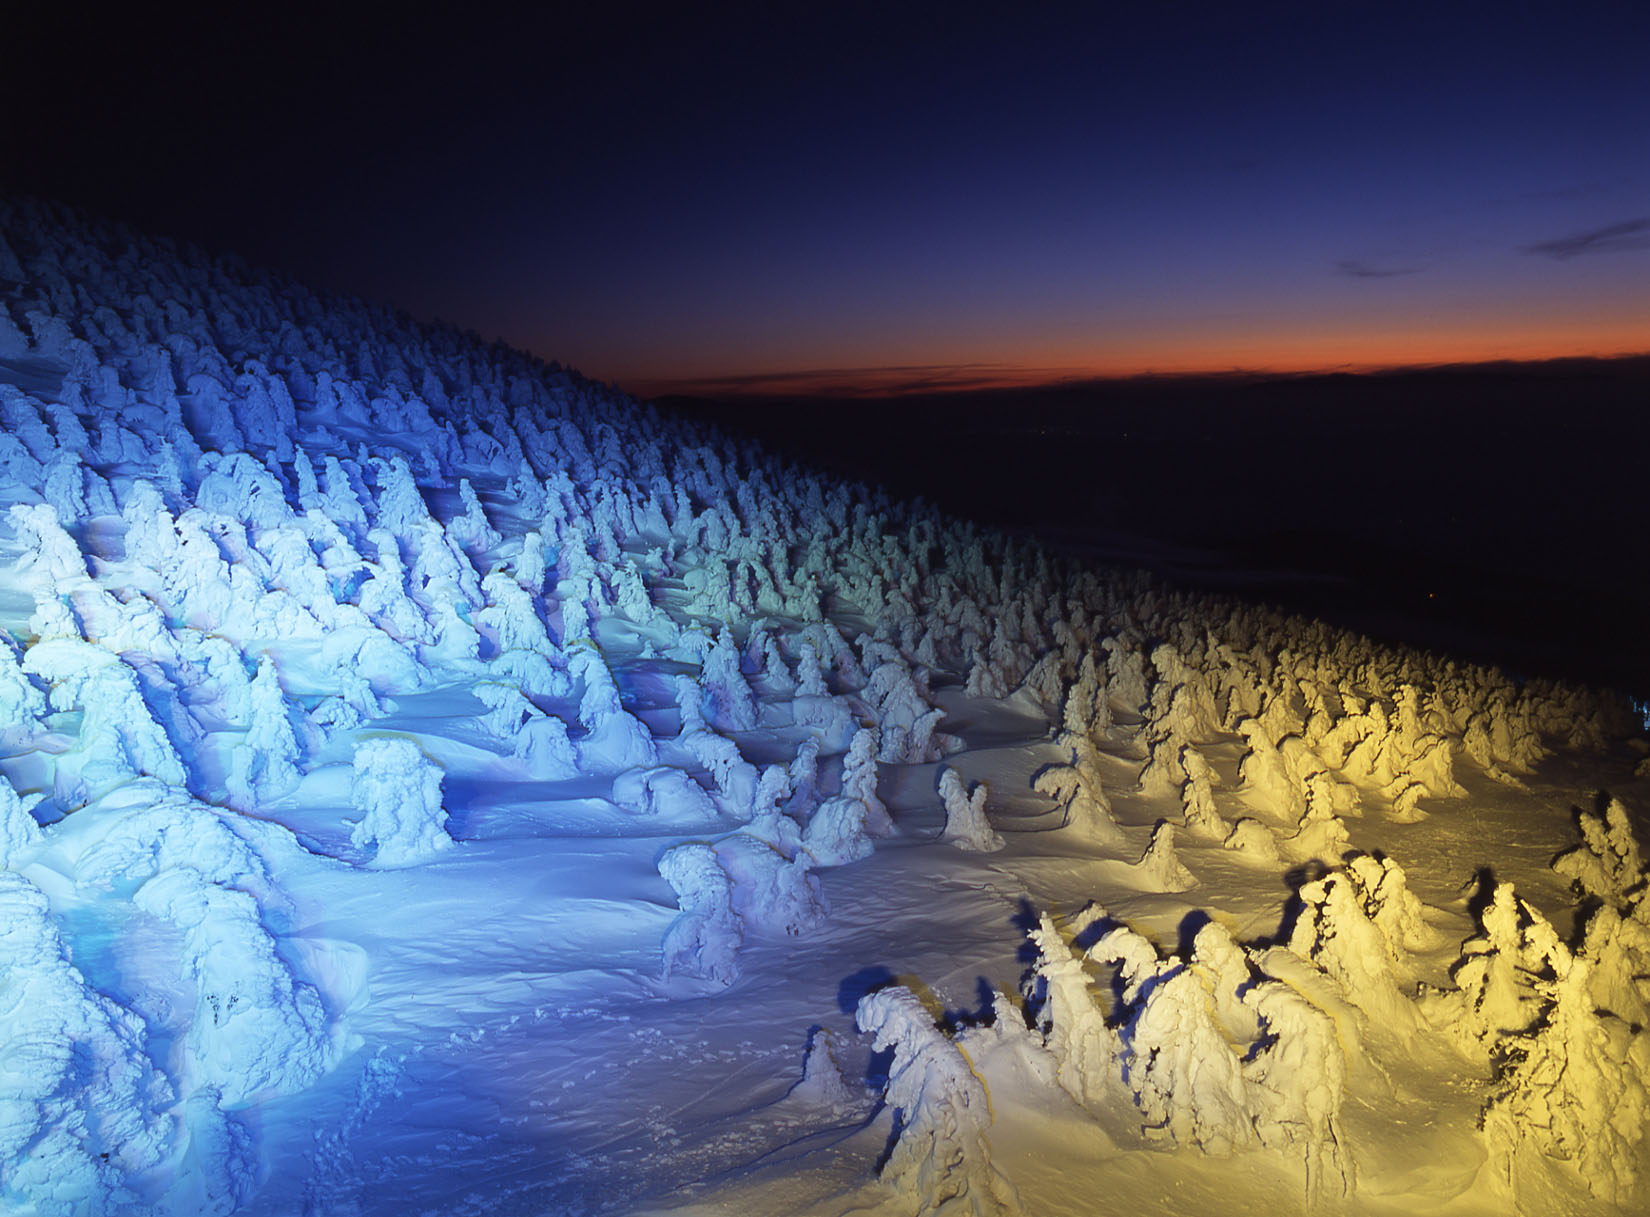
(941,1161)
(705,938)
(966,825)
(1606,865)
(82,1106)
(1069,1018)
(264,764)
(397,790)
(18,830)
(255,1032)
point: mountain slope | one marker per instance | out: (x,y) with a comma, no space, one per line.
(436,783)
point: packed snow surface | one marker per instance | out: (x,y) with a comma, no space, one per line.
(431,782)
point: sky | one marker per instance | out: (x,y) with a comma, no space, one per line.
(877,198)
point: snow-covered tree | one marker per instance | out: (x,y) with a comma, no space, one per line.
(729,703)
(471,531)
(397,790)
(859,781)
(1197,798)
(1495,993)
(119,738)
(264,765)
(50,554)
(255,1031)
(906,721)
(966,825)
(1297,1087)
(1571,1088)
(774,892)
(837,834)
(941,1161)
(1336,933)
(1606,864)
(21,704)
(665,792)
(401,508)
(1077,789)
(822,1085)
(18,830)
(1253,840)
(81,1104)
(705,938)
(1160,868)
(1070,1019)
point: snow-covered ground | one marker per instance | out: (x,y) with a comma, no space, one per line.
(434,783)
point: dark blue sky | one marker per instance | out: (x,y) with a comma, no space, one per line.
(863,197)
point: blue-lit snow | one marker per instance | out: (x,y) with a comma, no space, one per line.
(434,783)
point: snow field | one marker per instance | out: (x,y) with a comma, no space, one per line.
(431,782)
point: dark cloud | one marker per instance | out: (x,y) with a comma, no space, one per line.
(1362,270)
(1611,239)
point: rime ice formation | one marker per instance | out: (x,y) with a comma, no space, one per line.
(1335,931)
(50,556)
(148,828)
(859,781)
(265,764)
(1571,1085)
(1495,994)
(822,1083)
(81,1104)
(664,792)
(397,790)
(906,722)
(1197,798)
(1076,788)
(730,705)
(837,834)
(1299,1085)
(1160,867)
(119,738)
(1572,1088)
(772,891)
(1215,1052)
(1606,864)
(254,1032)
(1383,893)
(616,739)
(1071,1021)
(21,704)
(18,831)
(1566,1029)
(941,1161)
(1187,1079)
(1253,839)
(966,825)
(705,938)
(295,590)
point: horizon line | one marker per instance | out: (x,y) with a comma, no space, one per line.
(920,380)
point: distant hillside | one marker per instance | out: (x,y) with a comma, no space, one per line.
(1485,508)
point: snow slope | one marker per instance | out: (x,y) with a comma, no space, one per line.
(434,783)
